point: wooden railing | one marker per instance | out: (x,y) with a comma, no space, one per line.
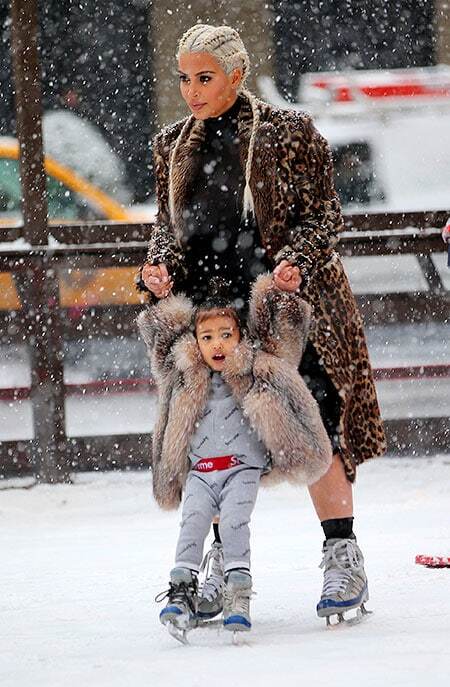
(43,324)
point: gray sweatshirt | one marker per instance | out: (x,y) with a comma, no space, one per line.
(223,430)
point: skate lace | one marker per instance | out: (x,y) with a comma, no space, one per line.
(179,593)
(238,600)
(213,565)
(341,561)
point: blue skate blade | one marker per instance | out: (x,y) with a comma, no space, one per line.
(325,604)
(237,622)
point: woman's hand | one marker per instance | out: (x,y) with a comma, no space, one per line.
(157,280)
(286,276)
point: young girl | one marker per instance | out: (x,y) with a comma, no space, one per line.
(232,407)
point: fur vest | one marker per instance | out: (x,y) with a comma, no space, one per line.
(299,218)
(262,374)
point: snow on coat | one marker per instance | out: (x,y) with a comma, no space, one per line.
(263,377)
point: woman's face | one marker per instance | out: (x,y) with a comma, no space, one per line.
(207,89)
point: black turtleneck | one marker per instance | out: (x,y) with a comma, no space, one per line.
(217,242)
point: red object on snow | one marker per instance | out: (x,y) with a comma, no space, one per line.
(433,561)
(446,231)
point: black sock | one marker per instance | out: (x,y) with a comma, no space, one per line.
(246,571)
(216,533)
(338,528)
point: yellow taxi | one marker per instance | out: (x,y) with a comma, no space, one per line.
(71,198)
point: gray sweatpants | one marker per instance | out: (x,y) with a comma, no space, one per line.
(229,493)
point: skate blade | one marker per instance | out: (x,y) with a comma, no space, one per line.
(177,633)
(342,620)
(239,632)
(239,638)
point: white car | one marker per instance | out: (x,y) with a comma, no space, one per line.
(389,132)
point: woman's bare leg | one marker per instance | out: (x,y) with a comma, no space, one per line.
(332,494)
(345,580)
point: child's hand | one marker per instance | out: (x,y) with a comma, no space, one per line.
(157,280)
(286,276)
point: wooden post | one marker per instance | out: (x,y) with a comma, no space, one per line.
(38,286)
(27,80)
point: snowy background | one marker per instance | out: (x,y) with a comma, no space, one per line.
(82,563)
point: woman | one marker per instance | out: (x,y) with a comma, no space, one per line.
(242,186)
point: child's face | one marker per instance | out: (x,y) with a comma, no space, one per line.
(217,337)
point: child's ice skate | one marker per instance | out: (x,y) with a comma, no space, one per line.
(345,582)
(179,613)
(210,598)
(236,601)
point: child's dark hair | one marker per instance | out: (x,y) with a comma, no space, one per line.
(217,303)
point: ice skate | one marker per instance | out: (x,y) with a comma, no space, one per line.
(236,602)
(179,613)
(345,582)
(210,599)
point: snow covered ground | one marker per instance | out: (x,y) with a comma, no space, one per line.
(81,565)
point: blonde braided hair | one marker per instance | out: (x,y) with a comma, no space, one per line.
(226,46)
